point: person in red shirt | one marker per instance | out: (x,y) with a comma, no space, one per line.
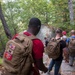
(38,47)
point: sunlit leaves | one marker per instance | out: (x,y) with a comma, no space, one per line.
(53,12)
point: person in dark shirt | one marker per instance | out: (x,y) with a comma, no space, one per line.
(57,62)
(46,41)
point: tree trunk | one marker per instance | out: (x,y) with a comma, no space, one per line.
(71,11)
(5,26)
(2,44)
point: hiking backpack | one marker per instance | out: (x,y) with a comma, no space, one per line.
(71,47)
(53,48)
(17,57)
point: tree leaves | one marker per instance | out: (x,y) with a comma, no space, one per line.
(53,12)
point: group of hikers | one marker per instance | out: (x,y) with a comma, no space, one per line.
(24,52)
(65,44)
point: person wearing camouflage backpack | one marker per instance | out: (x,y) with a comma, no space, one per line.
(33,59)
(71,47)
(57,61)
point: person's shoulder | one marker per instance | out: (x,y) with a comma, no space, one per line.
(38,43)
(37,40)
(69,38)
(72,36)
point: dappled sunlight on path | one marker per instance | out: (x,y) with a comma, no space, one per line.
(65,68)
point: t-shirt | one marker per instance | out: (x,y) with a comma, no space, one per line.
(68,39)
(37,49)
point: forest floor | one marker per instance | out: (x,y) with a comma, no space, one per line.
(65,68)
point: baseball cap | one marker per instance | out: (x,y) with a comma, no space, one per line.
(64,32)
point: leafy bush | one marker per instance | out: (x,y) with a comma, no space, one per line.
(1,60)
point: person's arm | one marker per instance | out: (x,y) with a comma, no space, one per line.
(40,65)
(38,49)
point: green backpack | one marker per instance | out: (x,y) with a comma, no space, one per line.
(53,48)
(17,58)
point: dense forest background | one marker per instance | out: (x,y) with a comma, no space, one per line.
(15,15)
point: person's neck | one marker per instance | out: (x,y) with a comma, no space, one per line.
(30,31)
(58,36)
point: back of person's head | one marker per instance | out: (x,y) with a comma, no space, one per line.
(34,22)
(72,32)
(35,25)
(59,31)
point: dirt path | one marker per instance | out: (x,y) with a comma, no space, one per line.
(65,68)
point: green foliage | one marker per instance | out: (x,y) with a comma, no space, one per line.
(1,60)
(3,38)
(18,12)
(49,11)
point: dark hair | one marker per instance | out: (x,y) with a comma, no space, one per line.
(35,22)
(58,31)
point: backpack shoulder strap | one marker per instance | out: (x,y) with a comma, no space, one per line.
(21,37)
(57,40)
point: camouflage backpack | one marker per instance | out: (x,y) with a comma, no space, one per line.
(53,48)
(17,57)
(71,47)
